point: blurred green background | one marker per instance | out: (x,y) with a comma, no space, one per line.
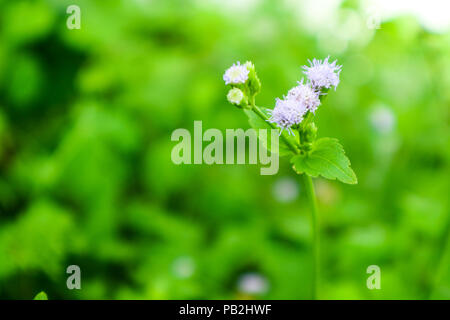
(86,176)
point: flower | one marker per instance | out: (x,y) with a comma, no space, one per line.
(236,74)
(287,113)
(323,74)
(235,96)
(305,95)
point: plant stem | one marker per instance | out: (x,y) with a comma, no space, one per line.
(307,119)
(312,201)
(315,233)
(289,143)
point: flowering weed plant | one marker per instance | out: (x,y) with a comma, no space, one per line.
(293,116)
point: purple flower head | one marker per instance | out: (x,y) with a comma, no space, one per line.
(305,95)
(323,74)
(287,112)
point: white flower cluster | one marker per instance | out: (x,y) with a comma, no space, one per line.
(236,74)
(305,96)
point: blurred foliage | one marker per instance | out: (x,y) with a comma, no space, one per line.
(86,177)
(41,296)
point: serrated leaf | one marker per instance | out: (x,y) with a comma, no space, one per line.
(327,158)
(257,123)
(41,296)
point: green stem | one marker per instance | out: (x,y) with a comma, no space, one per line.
(263,116)
(312,200)
(307,119)
(309,115)
(315,233)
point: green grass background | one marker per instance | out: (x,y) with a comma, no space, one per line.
(86,177)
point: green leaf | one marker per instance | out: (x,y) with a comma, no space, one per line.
(326,158)
(41,296)
(257,123)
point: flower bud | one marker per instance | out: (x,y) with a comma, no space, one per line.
(310,132)
(254,84)
(237,97)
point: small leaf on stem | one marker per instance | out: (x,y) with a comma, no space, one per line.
(327,159)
